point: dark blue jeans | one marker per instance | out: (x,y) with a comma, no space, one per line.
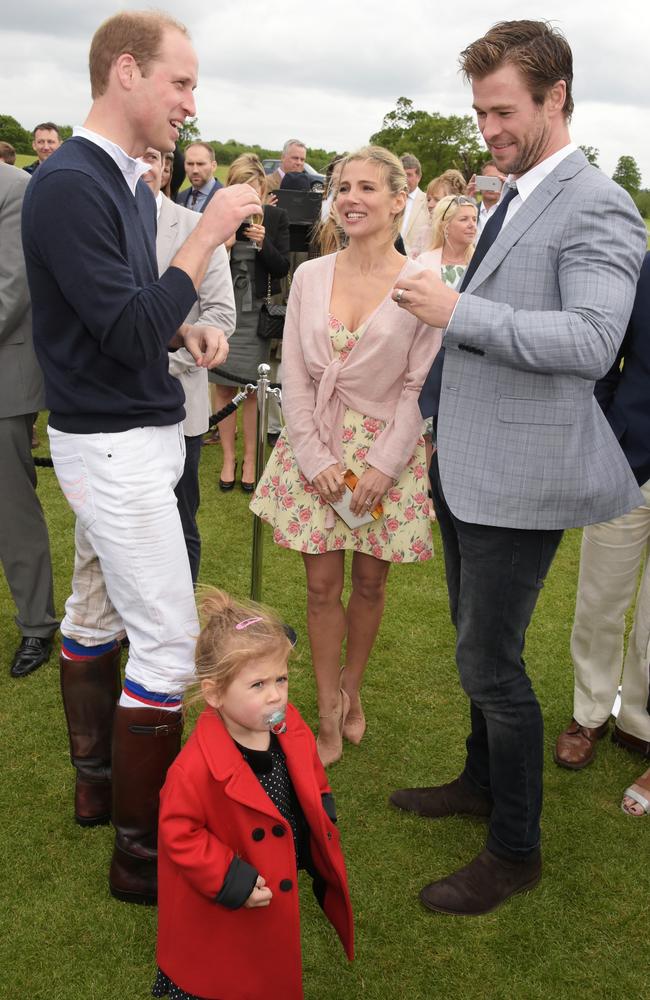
(188,497)
(494,576)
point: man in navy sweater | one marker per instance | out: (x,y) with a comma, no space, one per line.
(103,324)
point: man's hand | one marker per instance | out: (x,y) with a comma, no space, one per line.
(207,344)
(427,297)
(329,483)
(225,212)
(260,896)
(371,487)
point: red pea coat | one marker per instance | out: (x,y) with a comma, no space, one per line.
(212,810)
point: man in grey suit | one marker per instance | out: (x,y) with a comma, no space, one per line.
(24,542)
(215,307)
(524,450)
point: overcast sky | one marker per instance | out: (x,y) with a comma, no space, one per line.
(328,72)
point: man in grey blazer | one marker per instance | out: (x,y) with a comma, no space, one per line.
(524,450)
(215,306)
(24,542)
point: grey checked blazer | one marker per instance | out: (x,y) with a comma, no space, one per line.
(215,306)
(522,441)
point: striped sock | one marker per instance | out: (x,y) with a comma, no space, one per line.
(71,650)
(136,696)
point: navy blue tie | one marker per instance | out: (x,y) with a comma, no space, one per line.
(491,230)
(430,395)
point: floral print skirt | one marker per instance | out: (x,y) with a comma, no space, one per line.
(286,500)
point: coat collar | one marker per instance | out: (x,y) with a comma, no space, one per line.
(226,763)
(532,208)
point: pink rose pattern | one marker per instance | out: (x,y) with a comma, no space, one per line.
(297,514)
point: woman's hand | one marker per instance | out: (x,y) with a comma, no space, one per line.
(329,483)
(368,492)
(255,232)
(260,896)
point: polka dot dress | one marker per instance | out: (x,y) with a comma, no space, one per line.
(270,769)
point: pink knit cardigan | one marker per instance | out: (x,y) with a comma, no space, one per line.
(381,377)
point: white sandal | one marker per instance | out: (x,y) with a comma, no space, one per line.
(641,800)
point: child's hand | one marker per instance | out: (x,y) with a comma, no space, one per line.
(260,896)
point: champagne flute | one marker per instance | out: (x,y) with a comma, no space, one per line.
(255,220)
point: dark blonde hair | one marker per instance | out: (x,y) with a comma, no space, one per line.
(246,168)
(391,170)
(451,181)
(136,32)
(232,634)
(539,51)
(444,212)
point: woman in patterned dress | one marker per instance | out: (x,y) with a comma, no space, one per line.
(452,238)
(354,364)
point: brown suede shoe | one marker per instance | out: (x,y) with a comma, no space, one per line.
(482,885)
(630,742)
(457,798)
(576,746)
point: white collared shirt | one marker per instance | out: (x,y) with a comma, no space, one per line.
(527,183)
(131,169)
(410,202)
(484,214)
(159,198)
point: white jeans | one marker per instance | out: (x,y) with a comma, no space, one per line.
(611,555)
(131,568)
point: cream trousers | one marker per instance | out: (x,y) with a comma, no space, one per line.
(611,555)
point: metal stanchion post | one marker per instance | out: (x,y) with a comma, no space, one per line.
(263,372)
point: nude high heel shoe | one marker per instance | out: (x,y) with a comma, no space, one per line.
(355,723)
(331,751)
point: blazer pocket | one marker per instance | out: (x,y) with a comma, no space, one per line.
(513,410)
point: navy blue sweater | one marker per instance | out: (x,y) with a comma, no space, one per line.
(624,393)
(102,317)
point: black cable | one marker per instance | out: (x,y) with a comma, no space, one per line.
(240,380)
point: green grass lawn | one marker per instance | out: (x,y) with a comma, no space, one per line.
(583,932)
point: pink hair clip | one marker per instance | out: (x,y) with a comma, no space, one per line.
(240,626)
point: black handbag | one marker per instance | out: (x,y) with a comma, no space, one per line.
(270,325)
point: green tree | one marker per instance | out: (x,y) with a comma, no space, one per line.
(642,201)
(591,153)
(189,132)
(627,174)
(439,142)
(13,132)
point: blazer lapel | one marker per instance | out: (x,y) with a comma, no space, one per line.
(545,192)
(166,236)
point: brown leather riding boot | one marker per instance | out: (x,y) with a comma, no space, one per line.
(145,742)
(90,689)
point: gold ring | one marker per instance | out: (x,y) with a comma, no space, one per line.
(400,292)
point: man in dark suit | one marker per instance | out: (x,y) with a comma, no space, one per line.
(24,542)
(200,165)
(612,553)
(46,139)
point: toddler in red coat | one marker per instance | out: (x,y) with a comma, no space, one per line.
(245,805)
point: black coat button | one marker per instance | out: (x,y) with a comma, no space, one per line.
(277,830)
(286,885)
(329,834)
(258,833)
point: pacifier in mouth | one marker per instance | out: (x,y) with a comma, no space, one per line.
(276,722)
